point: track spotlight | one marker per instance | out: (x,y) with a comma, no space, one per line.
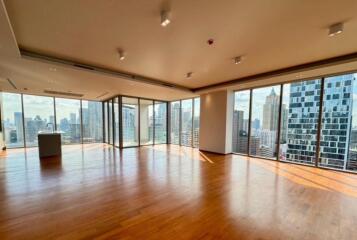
(165,20)
(237,60)
(335,29)
(121,55)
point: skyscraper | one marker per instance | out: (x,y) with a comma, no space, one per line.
(240,134)
(271,111)
(18,126)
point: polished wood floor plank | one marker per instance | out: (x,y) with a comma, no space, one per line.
(169,192)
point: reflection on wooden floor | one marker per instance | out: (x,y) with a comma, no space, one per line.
(170,192)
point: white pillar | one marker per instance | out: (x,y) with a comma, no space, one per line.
(216,115)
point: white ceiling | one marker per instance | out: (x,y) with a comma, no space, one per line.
(269,34)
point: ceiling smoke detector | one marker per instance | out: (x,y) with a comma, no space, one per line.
(165,20)
(335,29)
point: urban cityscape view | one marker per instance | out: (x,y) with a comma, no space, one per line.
(38,116)
(185,122)
(153,121)
(300,109)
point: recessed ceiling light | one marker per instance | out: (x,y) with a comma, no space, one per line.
(335,29)
(189,74)
(165,20)
(237,60)
(121,55)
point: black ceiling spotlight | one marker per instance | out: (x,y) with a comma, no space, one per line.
(238,60)
(121,55)
(189,74)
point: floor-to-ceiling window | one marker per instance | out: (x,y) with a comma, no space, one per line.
(186,122)
(175,109)
(241,121)
(106,139)
(116,122)
(130,120)
(303,136)
(160,112)
(68,119)
(13,120)
(92,120)
(146,122)
(196,121)
(299,121)
(264,122)
(338,127)
(39,116)
(26,115)
(110,121)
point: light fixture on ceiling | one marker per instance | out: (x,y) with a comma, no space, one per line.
(165,20)
(237,60)
(53,69)
(335,29)
(189,74)
(121,55)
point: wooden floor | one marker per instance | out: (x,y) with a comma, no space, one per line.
(170,192)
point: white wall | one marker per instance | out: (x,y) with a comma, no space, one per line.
(216,116)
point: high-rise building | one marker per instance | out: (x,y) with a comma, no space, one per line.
(18,126)
(240,133)
(336,121)
(302,122)
(284,124)
(271,111)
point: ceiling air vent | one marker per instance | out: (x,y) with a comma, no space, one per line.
(70,94)
(11,83)
(102,95)
(83,66)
